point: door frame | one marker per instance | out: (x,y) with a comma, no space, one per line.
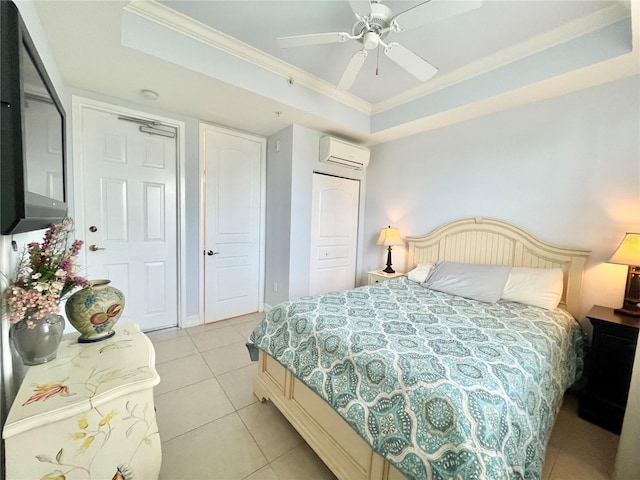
(76,197)
(263,210)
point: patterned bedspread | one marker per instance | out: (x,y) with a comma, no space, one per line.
(441,386)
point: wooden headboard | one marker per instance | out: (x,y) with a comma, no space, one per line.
(490,241)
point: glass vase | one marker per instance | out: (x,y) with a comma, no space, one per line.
(39,343)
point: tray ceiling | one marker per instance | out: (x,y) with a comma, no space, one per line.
(218,61)
(448,44)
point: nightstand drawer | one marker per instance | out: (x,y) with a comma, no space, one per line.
(377,276)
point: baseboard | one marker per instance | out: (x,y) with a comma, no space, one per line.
(192,321)
(267,307)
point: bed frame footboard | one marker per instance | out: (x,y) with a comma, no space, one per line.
(340,448)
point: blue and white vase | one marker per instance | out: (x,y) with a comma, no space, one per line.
(94,310)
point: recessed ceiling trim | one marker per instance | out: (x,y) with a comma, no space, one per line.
(577,28)
(182,24)
(611,70)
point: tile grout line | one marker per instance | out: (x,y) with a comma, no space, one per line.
(200,426)
(260,448)
(240,367)
(255,441)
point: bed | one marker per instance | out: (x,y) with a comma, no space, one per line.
(467,402)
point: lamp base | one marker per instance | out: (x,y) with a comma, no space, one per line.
(628,312)
(389,269)
(630,307)
(631,302)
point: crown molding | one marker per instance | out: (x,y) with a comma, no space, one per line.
(577,28)
(182,24)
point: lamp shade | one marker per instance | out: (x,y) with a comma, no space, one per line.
(389,237)
(628,253)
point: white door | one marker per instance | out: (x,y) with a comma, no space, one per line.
(129,215)
(334,232)
(232,205)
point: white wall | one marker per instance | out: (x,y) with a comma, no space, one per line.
(306,147)
(566,169)
(278,217)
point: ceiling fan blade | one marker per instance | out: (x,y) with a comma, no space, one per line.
(353,68)
(432,11)
(313,39)
(411,62)
(362,8)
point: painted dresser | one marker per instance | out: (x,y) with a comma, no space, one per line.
(88,414)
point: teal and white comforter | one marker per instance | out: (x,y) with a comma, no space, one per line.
(441,386)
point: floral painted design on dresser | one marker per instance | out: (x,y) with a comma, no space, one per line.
(94,434)
(48,390)
(89,414)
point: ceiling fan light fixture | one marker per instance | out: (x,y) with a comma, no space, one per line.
(370,40)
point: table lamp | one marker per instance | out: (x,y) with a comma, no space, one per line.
(628,253)
(389,237)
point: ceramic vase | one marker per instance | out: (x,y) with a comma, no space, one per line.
(94,310)
(38,344)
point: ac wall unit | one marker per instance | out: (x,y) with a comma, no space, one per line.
(338,152)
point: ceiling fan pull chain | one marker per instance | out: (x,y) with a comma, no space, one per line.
(378,61)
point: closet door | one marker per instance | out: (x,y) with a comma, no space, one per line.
(334,233)
(232,215)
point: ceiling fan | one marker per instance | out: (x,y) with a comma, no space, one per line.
(374,22)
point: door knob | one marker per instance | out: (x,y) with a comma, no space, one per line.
(211,252)
(95,248)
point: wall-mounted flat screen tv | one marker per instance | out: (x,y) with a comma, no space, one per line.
(32,148)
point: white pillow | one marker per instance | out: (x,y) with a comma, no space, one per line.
(420,273)
(540,287)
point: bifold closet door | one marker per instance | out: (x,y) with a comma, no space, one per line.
(334,233)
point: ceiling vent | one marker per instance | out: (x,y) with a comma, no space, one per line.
(338,152)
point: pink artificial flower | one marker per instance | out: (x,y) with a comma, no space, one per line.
(44,275)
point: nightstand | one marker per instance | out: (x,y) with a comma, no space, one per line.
(610,364)
(377,276)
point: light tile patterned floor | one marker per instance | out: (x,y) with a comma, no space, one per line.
(212,427)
